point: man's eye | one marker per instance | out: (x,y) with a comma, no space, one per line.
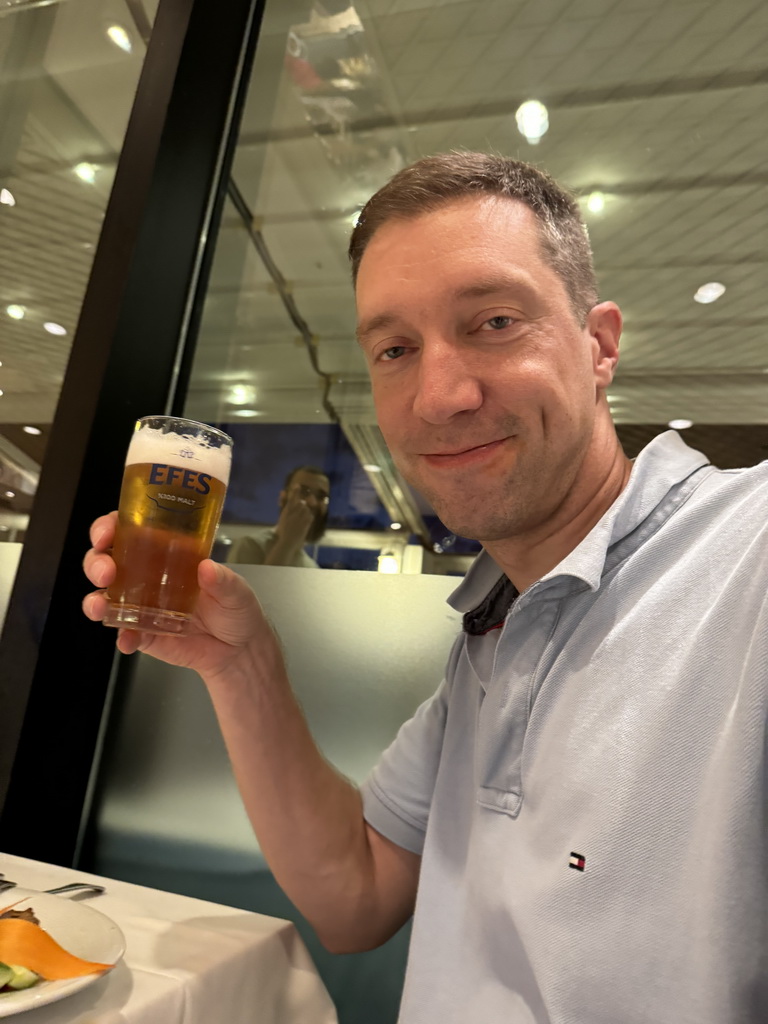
(498,323)
(393,352)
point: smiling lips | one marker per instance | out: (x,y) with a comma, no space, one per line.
(464,456)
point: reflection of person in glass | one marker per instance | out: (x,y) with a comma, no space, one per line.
(303,515)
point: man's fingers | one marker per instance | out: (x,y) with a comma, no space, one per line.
(99,568)
(95,605)
(129,641)
(102,531)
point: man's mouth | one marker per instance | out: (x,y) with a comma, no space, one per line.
(465,454)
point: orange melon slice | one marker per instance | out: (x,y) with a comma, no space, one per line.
(22,942)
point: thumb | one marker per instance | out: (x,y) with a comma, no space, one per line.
(227,606)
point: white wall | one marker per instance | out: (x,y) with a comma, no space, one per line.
(363,650)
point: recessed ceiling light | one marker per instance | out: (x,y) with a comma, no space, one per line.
(242,394)
(6,197)
(395,526)
(54,328)
(680,424)
(15,312)
(10,494)
(86,172)
(532,120)
(709,292)
(370,467)
(120,37)
(247,412)
(32,430)
(596,202)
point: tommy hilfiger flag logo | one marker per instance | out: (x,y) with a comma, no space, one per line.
(578,861)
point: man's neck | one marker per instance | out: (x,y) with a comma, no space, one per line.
(526,558)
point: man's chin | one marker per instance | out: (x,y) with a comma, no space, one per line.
(317,531)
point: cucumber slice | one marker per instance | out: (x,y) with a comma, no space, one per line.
(22,977)
(6,974)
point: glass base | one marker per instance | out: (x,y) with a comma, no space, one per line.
(147,620)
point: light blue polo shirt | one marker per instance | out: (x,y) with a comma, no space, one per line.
(588,784)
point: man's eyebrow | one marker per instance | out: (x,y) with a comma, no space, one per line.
(380,322)
(492,286)
(488,286)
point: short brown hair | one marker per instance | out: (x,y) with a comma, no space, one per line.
(436,180)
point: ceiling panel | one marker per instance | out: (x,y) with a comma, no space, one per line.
(659,104)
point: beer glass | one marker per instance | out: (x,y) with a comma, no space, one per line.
(176,475)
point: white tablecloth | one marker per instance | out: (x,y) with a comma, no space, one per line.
(186,961)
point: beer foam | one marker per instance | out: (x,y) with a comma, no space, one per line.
(153,445)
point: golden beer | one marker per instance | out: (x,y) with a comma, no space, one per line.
(171,499)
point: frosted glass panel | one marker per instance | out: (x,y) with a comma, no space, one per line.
(363,651)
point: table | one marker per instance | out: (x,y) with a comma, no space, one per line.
(186,961)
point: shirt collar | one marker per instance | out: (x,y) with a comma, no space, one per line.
(657,474)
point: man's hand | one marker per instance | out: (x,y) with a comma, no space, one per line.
(295,521)
(227,618)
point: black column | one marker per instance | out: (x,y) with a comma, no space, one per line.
(137,319)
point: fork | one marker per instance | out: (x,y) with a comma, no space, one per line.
(6,883)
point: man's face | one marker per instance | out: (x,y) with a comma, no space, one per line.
(313,490)
(486,387)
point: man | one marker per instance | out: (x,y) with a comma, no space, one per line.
(577,817)
(303,516)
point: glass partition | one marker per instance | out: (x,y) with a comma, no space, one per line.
(652,116)
(69,72)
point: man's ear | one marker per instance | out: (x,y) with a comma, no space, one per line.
(604,323)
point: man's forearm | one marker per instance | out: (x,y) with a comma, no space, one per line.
(307,817)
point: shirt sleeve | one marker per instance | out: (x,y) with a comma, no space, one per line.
(397,795)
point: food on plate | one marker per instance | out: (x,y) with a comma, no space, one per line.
(22,915)
(28,954)
(13,977)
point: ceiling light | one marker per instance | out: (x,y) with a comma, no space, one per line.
(10,494)
(54,328)
(86,172)
(596,202)
(370,467)
(120,37)
(6,197)
(532,120)
(242,394)
(15,312)
(709,292)
(247,412)
(32,430)
(680,424)
(395,526)
(354,217)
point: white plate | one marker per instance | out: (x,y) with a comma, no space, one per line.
(79,929)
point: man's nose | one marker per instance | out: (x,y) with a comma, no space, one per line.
(447,383)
